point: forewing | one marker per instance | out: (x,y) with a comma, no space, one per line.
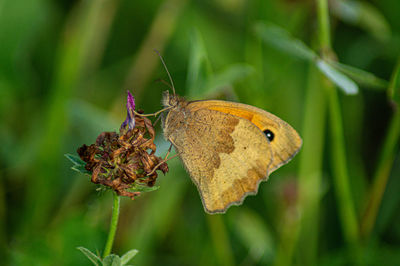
(286,142)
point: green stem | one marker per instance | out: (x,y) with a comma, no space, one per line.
(341,177)
(385,163)
(310,168)
(288,238)
(381,176)
(323,22)
(113,225)
(220,239)
(305,229)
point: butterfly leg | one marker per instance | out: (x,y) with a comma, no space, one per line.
(158,119)
(163,160)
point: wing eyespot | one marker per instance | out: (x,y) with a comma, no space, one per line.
(269,134)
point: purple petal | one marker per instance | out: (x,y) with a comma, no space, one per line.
(130,101)
(130,116)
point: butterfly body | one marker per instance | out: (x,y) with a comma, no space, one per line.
(228,148)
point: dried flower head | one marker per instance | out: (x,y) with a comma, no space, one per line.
(126,161)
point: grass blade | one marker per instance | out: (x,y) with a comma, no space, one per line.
(284,41)
(360,76)
(341,80)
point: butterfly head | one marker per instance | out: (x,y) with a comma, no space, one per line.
(172,101)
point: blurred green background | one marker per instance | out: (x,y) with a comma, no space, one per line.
(65,67)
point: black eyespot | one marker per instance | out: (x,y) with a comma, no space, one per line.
(269,134)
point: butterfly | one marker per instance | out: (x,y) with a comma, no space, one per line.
(227,148)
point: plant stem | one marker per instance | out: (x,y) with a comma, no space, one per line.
(381,176)
(310,169)
(385,163)
(113,225)
(220,239)
(341,177)
(323,22)
(340,172)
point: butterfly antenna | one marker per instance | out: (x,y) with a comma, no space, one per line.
(166,69)
(165,83)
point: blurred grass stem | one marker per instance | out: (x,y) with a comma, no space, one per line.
(145,61)
(73,55)
(385,163)
(310,170)
(341,178)
(339,167)
(324,26)
(220,239)
(113,225)
(305,229)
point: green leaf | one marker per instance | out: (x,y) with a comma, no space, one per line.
(137,187)
(76,160)
(340,79)
(112,260)
(365,16)
(128,256)
(362,77)
(91,256)
(79,164)
(284,41)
